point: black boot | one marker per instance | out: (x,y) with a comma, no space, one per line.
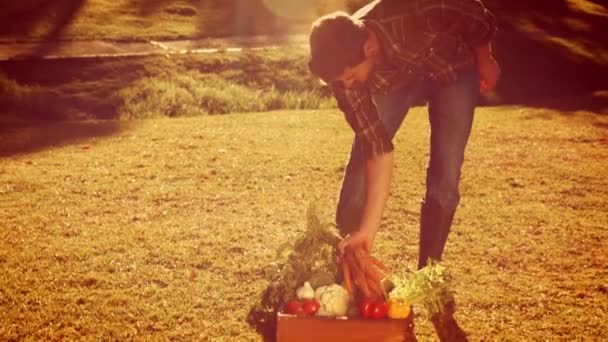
(435,223)
(446,326)
(411,334)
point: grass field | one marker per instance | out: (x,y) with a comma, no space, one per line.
(163,228)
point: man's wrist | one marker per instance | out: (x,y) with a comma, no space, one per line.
(367,230)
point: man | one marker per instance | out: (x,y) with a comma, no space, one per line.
(377,62)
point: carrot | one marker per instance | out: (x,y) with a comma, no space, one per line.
(365,288)
(358,253)
(378,263)
(358,275)
(347,279)
(373,276)
(365,264)
(382,274)
(376,289)
(379,267)
(374,271)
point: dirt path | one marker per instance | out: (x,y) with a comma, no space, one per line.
(101,48)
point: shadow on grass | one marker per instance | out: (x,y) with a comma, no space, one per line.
(22,137)
(534,74)
(26,16)
(264,323)
(553,54)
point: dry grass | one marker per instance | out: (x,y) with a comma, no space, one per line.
(124,19)
(162,229)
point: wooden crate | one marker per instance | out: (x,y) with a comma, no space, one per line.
(292,328)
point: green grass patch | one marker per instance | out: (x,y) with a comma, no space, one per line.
(25,101)
(199,94)
(155,85)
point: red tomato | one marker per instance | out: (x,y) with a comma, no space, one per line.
(294,307)
(311,306)
(366,307)
(380,309)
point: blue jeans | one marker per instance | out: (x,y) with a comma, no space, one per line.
(451,109)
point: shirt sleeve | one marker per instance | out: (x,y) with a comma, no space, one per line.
(362,116)
(467,17)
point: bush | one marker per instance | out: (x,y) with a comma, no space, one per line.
(283,69)
(154,97)
(27,101)
(196,94)
(156,86)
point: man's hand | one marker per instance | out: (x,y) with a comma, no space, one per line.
(489,71)
(358,239)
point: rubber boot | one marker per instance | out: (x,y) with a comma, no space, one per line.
(411,334)
(446,326)
(435,223)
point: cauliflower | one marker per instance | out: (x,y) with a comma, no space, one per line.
(334,300)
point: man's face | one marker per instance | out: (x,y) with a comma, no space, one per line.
(356,75)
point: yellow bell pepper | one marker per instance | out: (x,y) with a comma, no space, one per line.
(398,308)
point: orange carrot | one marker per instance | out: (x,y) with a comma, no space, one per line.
(378,263)
(366,266)
(347,279)
(358,274)
(376,289)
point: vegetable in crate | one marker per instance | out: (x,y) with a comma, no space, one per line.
(295,307)
(362,272)
(429,287)
(373,308)
(312,257)
(334,300)
(302,307)
(311,306)
(306,291)
(398,309)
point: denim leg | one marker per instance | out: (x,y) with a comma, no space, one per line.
(451,111)
(392,109)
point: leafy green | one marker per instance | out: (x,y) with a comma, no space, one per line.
(312,256)
(429,287)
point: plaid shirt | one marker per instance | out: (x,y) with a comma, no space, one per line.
(432,39)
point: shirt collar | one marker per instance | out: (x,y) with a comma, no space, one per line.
(389,47)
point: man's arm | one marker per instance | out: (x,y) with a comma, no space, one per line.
(378,173)
(477,26)
(377,149)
